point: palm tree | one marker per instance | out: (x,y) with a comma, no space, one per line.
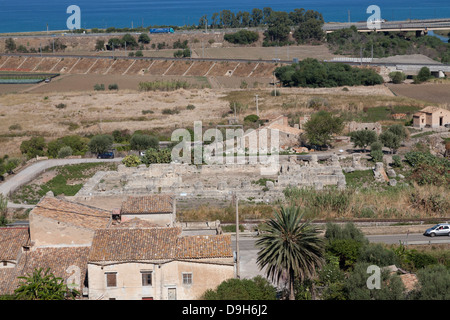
(289,247)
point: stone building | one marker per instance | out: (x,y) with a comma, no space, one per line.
(77,242)
(156,263)
(431,117)
(156,208)
(58,221)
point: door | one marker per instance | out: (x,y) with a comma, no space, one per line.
(172,294)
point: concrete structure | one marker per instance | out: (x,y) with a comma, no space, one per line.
(431,117)
(156,263)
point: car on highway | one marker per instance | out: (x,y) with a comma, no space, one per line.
(441,229)
(106,155)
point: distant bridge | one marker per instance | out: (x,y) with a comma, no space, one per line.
(421,26)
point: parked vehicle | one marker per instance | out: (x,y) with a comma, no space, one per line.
(441,229)
(106,155)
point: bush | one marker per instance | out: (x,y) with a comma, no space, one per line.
(377,155)
(131,161)
(378,255)
(251,118)
(33,147)
(397,77)
(100,143)
(423,75)
(242,37)
(397,161)
(156,156)
(60,106)
(190,107)
(113,86)
(143,142)
(257,288)
(65,151)
(99,87)
(312,73)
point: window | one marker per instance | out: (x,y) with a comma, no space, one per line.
(111,279)
(187,278)
(146,278)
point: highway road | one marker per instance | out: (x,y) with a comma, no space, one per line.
(248,250)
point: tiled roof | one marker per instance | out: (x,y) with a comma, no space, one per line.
(11,242)
(156,244)
(73,213)
(286,129)
(157,203)
(194,247)
(60,260)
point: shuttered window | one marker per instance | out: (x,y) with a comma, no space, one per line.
(111,279)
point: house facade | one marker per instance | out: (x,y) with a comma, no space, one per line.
(156,264)
(431,117)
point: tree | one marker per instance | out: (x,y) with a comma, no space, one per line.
(10,45)
(43,286)
(309,26)
(321,126)
(99,45)
(391,286)
(257,288)
(423,75)
(143,142)
(434,283)
(33,147)
(289,247)
(100,143)
(144,38)
(363,138)
(3,210)
(129,41)
(397,77)
(390,140)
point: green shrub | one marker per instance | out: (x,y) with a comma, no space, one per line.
(113,86)
(397,77)
(251,118)
(397,161)
(65,151)
(99,87)
(190,107)
(131,161)
(242,37)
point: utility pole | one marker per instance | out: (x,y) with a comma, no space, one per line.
(238,272)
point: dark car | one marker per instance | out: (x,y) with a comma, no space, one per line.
(106,155)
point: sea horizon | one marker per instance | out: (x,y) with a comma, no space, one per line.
(26,16)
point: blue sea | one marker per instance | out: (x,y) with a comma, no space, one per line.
(32,15)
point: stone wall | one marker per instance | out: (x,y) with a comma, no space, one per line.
(216,181)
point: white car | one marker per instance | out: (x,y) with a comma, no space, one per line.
(441,229)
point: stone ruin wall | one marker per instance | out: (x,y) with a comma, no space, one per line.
(215,181)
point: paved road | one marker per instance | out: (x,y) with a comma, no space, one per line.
(29,173)
(248,251)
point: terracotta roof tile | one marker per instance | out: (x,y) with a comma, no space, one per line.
(72,213)
(157,203)
(11,242)
(58,259)
(156,244)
